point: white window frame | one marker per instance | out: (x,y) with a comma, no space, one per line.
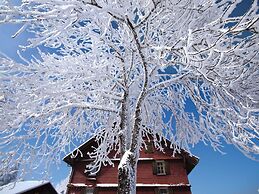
(159,167)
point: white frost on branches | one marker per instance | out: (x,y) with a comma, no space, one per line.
(61,187)
(186,71)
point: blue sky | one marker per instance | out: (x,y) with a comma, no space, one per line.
(231,173)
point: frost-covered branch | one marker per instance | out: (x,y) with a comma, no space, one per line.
(182,70)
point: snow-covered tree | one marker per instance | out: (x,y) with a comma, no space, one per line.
(9,176)
(182,70)
(61,187)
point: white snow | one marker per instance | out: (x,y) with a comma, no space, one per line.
(2,97)
(22,186)
(124,159)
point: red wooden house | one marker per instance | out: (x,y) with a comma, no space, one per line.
(158,172)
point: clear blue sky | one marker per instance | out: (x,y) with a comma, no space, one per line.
(232,173)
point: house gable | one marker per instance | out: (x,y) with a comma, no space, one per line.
(190,161)
(172,176)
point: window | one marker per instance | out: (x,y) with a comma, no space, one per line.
(161,167)
(89,191)
(163,191)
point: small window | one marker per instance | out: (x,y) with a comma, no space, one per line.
(163,191)
(160,166)
(89,191)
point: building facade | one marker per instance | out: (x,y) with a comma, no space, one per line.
(157,172)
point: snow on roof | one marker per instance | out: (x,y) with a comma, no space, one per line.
(191,154)
(21,186)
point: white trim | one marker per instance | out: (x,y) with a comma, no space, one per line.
(91,178)
(118,159)
(79,185)
(144,185)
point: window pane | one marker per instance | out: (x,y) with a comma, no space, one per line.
(163,191)
(161,167)
(89,191)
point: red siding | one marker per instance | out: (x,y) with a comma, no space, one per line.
(108,174)
(145,175)
(177,173)
(78,175)
(146,190)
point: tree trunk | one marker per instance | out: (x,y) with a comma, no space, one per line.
(127,174)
